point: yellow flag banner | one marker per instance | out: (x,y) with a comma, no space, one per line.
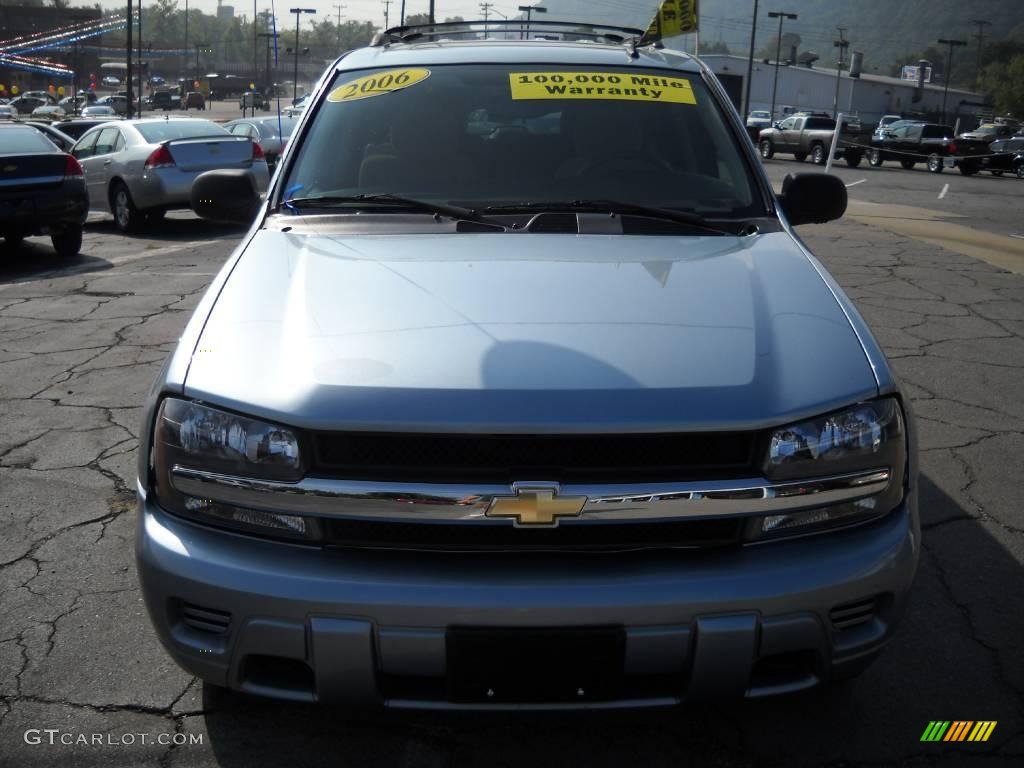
(674,17)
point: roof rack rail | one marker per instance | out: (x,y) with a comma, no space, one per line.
(574,29)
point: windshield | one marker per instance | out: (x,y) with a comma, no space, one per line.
(178,129)
(489,135)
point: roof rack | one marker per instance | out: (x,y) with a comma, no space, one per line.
(446,29)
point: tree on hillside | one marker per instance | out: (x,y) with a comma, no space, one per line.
(789,39)
(1004,84)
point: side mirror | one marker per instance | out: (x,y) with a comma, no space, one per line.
(812,198)
(228,195)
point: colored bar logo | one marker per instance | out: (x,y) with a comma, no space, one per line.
(959,730)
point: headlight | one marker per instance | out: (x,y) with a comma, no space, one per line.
(195,436)
(865,438)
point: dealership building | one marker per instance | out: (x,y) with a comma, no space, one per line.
(812,88)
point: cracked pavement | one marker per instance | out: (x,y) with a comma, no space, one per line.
(80,345)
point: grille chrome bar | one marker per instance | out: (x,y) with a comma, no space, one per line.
(605,503)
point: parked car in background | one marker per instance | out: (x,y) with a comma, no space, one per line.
(157,80)
(989,132)
(269,132)
(76,126)
(885,122)
(7,112)
(193,100)
(45,96)
(297,107)
(1007,157)
(803,136)
(759,118)
(139,169)
(24,105)
(43,190)
(930,143)
(49,112)
(161,100)
(62,140)
(99,110)
(253,100)
(109,81)
(116,102)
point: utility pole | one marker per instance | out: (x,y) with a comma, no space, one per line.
(255,51)
(339,8)
(842,44)
(431,11)
(949,71)
(295,77)
(981,24)
(486,9)
(386,3)
(750,64)
(184,57)
(781,16)
(141,68)
(128,60)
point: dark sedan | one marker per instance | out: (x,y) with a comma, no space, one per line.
(1007,157)
(42,190)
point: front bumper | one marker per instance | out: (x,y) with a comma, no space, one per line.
(368,629)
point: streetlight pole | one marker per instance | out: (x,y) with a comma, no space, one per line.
(949,71)
(980,24)
(141,89)
(842,44)
(128,62)
(750,64)
(295,77)
(185,47)
(529,10)
(781,16)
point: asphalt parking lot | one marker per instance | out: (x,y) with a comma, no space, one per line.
(933,264)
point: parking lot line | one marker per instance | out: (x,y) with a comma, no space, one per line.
(945,189)
(855,183)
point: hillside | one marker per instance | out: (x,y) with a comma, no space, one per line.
(886,31)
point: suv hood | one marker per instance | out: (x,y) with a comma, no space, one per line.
(527,333)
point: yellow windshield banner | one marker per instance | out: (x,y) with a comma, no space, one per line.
(674,17)
(608,86)
(378,84)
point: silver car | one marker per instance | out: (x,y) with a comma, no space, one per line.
(139,169)
(558,414)
(271,133)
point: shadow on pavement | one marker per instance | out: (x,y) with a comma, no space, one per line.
(35,257)
(173,228)
(947,661)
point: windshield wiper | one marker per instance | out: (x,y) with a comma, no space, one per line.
(611,206)
(438,209)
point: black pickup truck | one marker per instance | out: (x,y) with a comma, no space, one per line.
(929,143)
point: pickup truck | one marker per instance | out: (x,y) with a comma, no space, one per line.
(930,143)
(804,135)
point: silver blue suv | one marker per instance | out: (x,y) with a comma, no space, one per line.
(522,392)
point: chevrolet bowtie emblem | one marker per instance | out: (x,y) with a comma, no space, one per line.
(533,505)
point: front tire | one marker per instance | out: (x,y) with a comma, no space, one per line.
(67,242)
(818,156)
(126,216)
(767,149)
(13,239)
(875,159)
(1020,171)
(935,164)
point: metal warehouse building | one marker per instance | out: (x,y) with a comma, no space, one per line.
(871,96)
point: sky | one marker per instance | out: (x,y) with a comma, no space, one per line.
(357,10)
